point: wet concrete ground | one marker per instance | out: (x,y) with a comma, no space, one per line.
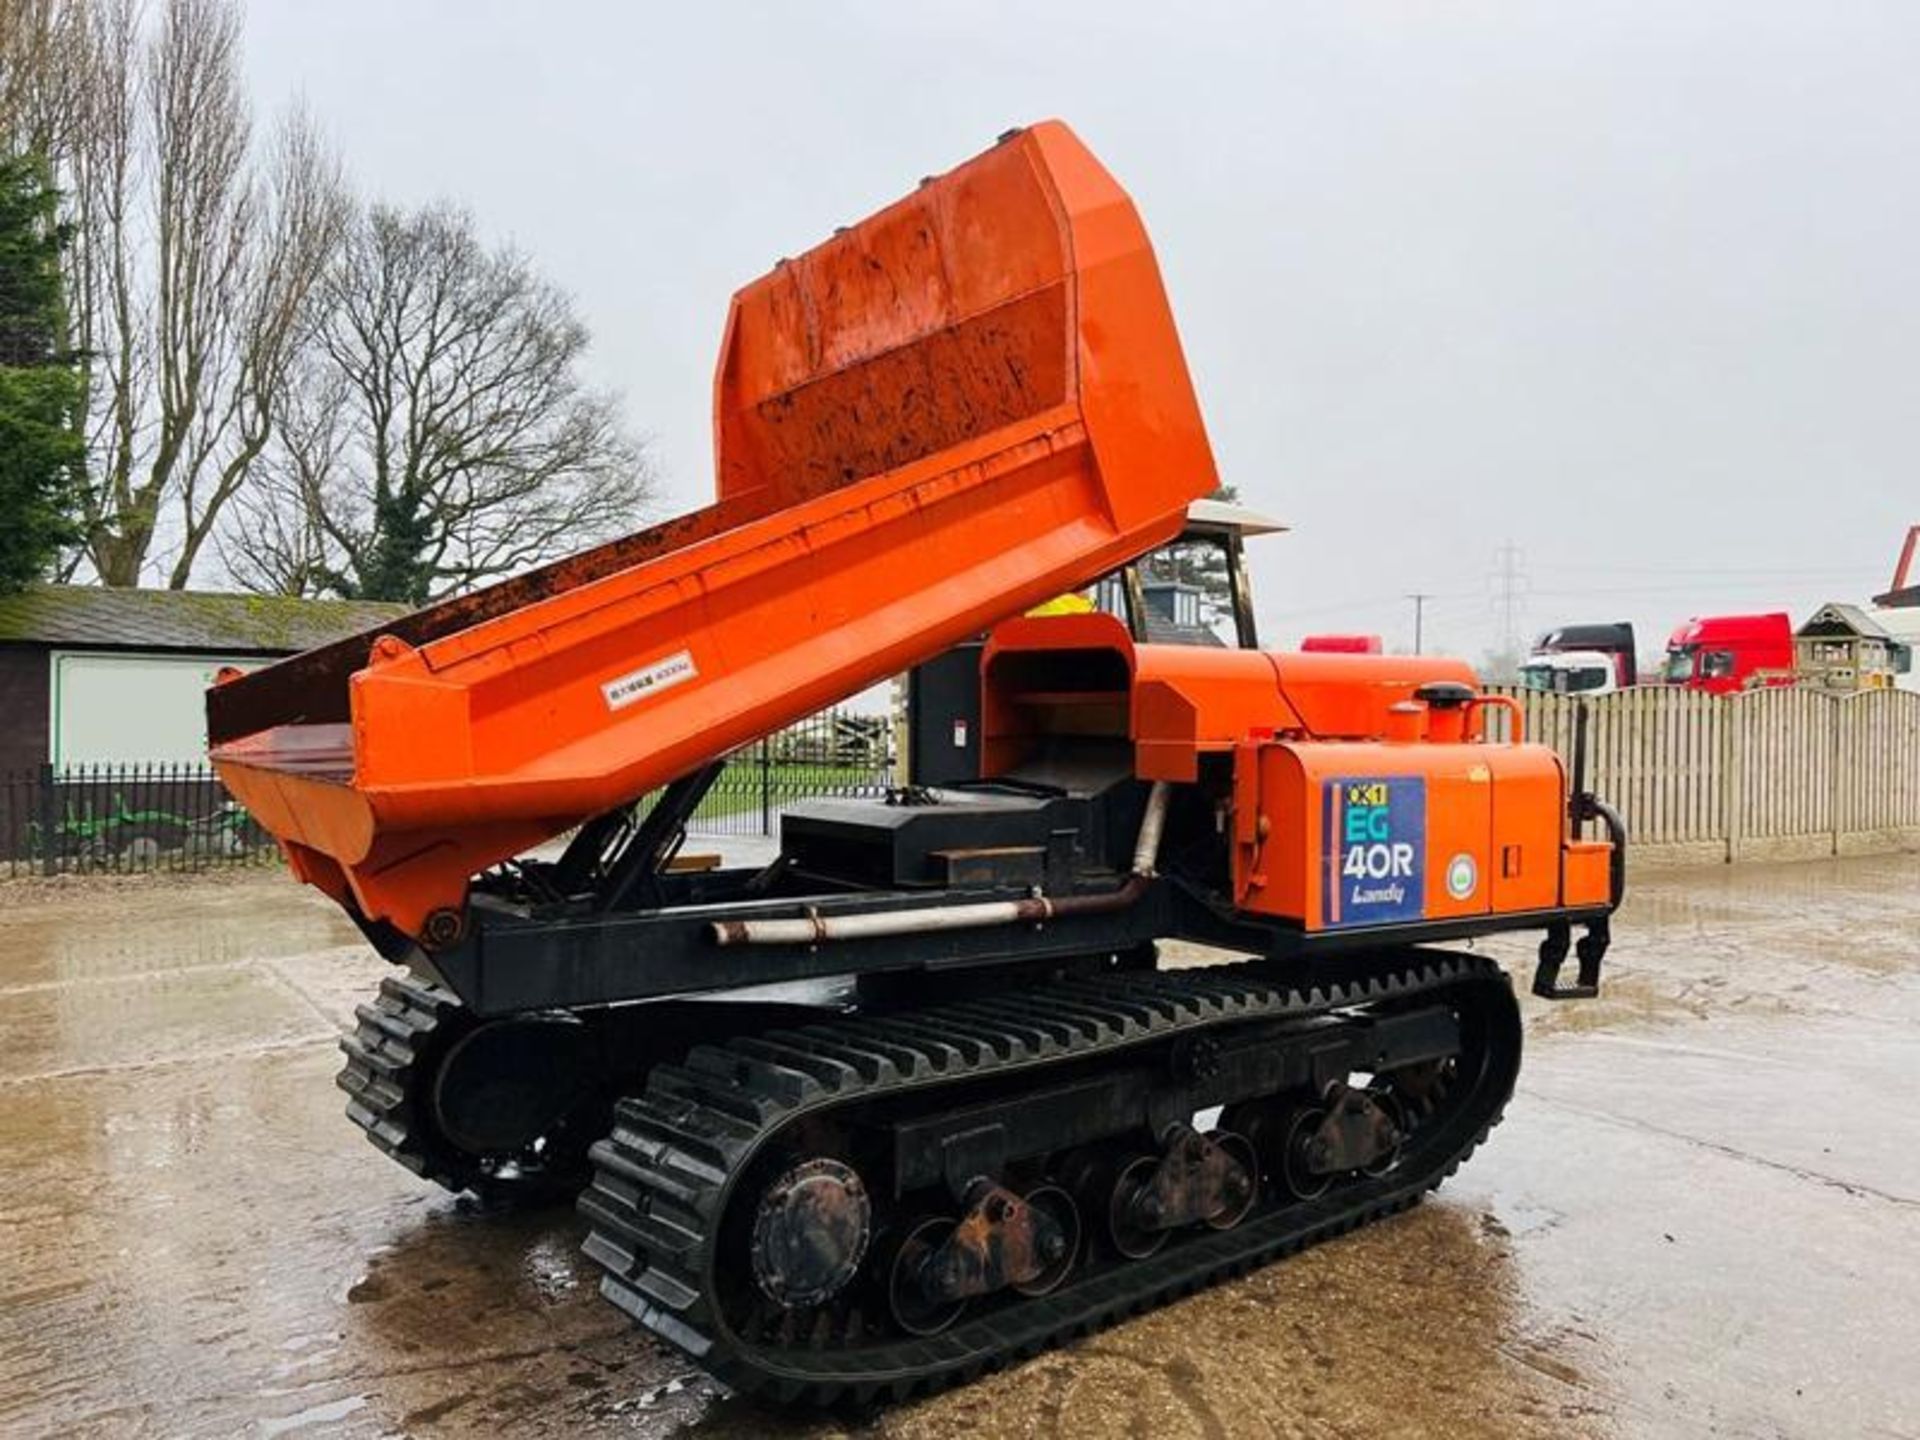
(1701,1217)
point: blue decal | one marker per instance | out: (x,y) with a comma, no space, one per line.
(1375,843)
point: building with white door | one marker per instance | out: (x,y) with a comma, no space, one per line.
(92,676)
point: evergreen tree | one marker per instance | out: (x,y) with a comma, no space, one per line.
(41,385)
(397,567)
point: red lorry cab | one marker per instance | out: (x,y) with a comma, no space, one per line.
(1727,653)
(1341,644)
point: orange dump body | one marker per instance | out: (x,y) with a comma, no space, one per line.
(952,411)
(1350,803)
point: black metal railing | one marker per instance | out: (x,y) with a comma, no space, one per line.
(834,753)
(123,818)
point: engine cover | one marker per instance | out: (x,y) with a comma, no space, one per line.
(1339,835)
(957,839)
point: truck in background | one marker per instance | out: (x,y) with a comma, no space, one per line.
(1615,641)
(1341,645)
(1898,610)
(1903,624)
(1572,672)
(1724,654)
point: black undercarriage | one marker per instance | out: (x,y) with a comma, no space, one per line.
(832,1162)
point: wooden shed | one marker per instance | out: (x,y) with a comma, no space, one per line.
(1843,649)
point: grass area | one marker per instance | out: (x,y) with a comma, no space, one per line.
(743,787)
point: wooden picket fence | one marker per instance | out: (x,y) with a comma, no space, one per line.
(1766,773)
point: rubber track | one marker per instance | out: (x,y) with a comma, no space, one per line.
(392,1036)
(663,1178)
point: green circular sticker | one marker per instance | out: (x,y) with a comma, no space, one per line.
(1462,876)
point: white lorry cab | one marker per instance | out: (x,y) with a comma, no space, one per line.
(1571,672)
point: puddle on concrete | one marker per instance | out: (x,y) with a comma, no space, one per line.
(102,927)
(329,1414)
(197,1243)
(147,1019)
(1409,1329)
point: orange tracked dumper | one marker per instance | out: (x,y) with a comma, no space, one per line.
(917,1095)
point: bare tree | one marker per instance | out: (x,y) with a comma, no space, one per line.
(195,267)
(278,541)
(301,213)
(37,74)
(441,432)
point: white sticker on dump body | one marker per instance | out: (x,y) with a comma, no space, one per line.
(624,690)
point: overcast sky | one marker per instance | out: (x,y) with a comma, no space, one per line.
(1635,287)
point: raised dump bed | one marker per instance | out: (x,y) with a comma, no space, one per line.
(963,405)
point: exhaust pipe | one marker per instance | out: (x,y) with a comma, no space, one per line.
(815,929)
